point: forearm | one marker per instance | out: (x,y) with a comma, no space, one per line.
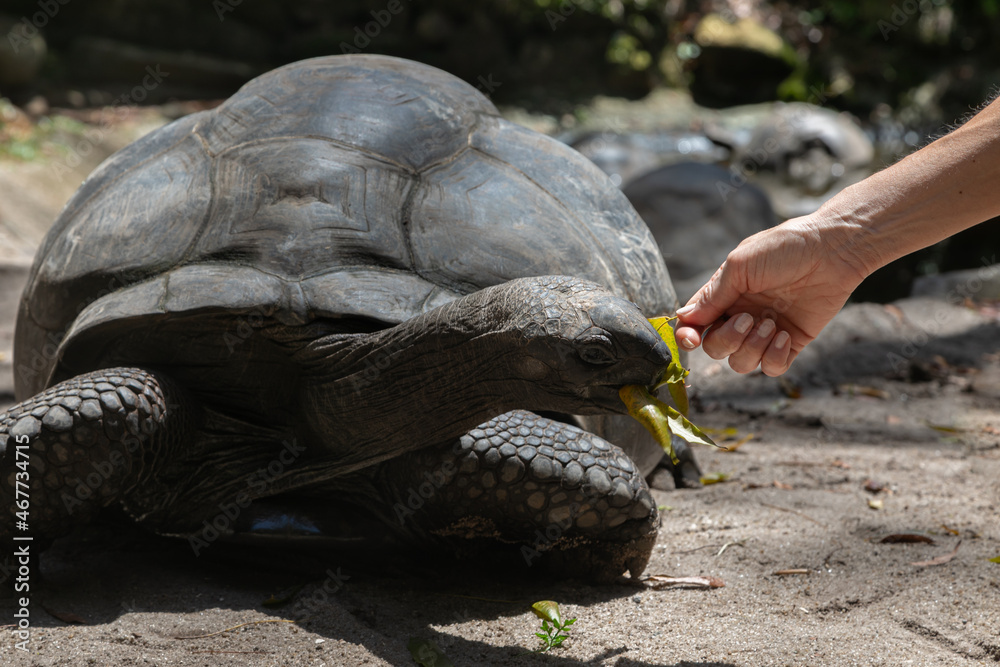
(944,188)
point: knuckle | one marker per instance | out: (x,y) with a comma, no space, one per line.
(741,365)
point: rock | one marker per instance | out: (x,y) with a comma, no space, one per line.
(741,62)
(623,157)
(816,150)
(697,216)
(955,286)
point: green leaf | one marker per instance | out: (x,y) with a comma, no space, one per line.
(547,610)
(682,427)
(661,420)
(995,560)
(679,393)
(674,377)
(644,409)
(427,654)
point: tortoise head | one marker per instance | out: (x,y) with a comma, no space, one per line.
(580,343)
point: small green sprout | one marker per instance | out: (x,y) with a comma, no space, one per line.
(554,630)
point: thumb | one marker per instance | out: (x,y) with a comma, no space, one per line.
(712,300)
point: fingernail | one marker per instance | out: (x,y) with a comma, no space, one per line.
(765,328)
(743,323)
(688,344)
(685,310)
(781,340)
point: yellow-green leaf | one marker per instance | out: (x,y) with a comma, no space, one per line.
(674,377)
(714,478)
(660,419)
(683,428)
(995,560)
(547,610)
(640,404)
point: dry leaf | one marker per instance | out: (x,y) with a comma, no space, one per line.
(940,560)
(659,581)
(794,570)
(862,390)
(900,538)
(874,486)
(943,428)
(790,389)
(739,443)
(950,530)
(875,503)
(781,485)
(896,312)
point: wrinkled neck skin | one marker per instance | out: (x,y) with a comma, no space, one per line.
(370,397)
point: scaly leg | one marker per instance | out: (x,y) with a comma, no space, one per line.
(79,446)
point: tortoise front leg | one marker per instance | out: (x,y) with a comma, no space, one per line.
(79,446)
(572,501)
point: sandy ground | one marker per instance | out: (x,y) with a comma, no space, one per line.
(796,500)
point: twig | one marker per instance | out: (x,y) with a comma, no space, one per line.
(737,543)
(787,509)
(191,650)
(826,561)
(236,627)
(691,551)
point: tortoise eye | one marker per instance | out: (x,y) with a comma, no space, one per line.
(597,354)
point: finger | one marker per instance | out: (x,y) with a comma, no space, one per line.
(689,337)
(749,356)
(777,359)
(722,340)
(712,300)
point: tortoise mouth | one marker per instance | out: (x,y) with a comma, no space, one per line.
(607,398)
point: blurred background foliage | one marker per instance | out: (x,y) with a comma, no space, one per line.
(930,60)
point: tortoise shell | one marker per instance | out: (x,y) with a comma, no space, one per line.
(355,188)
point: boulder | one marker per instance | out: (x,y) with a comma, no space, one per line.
(697,216)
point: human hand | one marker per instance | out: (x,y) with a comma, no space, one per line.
(773,295)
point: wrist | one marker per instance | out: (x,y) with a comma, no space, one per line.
(860,226)
(843,238)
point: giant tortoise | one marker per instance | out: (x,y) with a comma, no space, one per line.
(326,308)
